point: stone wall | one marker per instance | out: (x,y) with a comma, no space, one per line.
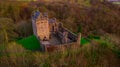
(61,47)
(73,41)
(34,27)
(71,35)
(43,29)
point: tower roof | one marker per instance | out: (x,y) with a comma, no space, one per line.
(35,15)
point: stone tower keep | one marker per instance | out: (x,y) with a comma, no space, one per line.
(41,25)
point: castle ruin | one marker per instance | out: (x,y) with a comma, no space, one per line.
(50,32)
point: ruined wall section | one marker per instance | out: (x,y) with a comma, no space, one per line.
(34,27)
(71,36)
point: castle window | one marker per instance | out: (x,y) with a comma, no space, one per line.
(45,39)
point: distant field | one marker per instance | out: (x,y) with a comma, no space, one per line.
(116,2)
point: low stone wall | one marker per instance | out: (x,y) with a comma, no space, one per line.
(62,47)
(71,35)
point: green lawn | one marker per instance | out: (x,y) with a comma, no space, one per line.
(84,41)
(87,40)
(30,43)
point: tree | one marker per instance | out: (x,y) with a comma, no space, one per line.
(6,29)
(24,28)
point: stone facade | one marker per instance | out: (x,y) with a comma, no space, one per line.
(41,27)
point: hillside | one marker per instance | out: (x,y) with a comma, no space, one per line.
(97,53)
(97,20)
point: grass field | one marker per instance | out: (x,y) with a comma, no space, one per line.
(30,43)
(87,40)
(84,41)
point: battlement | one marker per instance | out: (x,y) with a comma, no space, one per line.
(39,16)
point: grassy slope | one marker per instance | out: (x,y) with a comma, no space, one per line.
(30,43)
(87,40)
(97,54)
